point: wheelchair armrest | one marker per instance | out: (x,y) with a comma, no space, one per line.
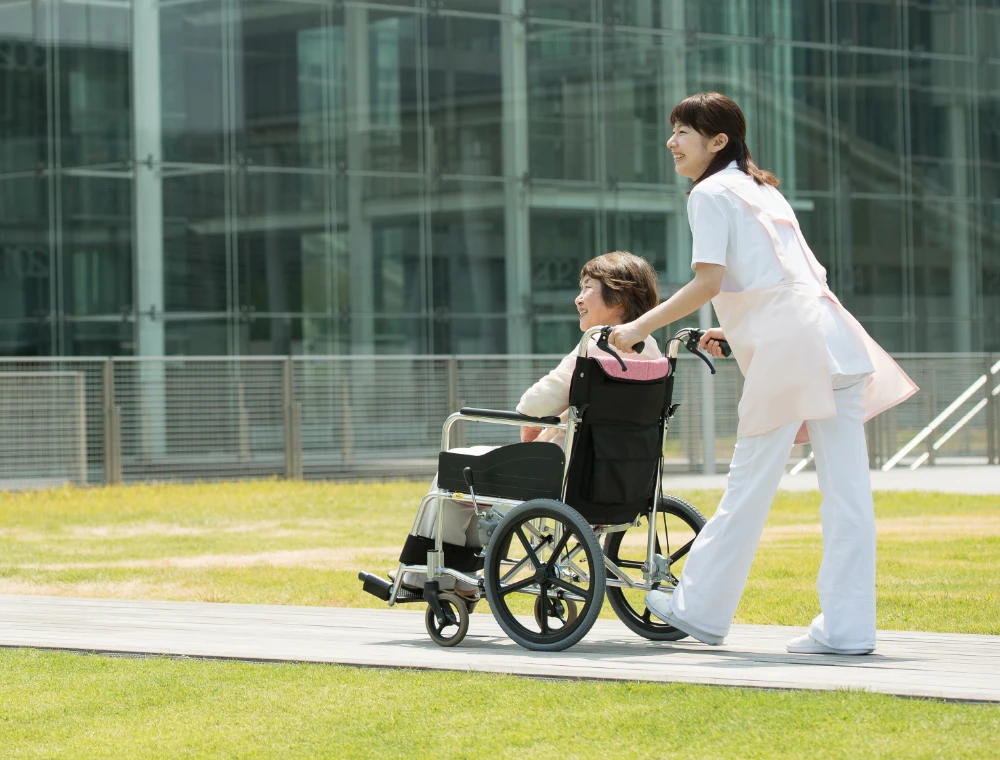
(510,416)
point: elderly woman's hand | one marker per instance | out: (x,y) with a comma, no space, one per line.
(528,433)
(623,337)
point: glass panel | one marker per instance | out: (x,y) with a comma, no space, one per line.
(473,6)
(644,234)
(200,337)
(818,219)
(26,267)
(395,112)
(561,243)
(722,66)
(292,265)
(94,84)
(468,274)
(562,128)
(870,112)
(192,63)
(875,231)
(989,235)
(97,246)
(98,339)
(561,10)
(195,227)
(808,144)
(293,80)
(868,23)
(939,26)
(941,127)
(637,88)
(989,132)
(23,67)
(465,95)
(721,17)
(391,282)
(944,282)
(789,20)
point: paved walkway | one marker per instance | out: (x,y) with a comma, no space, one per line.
(982,479)
(951,666)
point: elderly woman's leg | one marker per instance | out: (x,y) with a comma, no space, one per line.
(459,534)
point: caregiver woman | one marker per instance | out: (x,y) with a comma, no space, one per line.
(810,368)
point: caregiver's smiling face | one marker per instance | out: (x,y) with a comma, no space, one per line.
(692,151)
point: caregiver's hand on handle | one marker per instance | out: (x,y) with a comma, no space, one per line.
(710,343)
(628,338)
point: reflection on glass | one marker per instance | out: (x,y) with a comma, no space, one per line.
(465,95)
(376,177)
(869,109)
(195,233)
(561,102)
(193,88)
(26,266)
(97,246)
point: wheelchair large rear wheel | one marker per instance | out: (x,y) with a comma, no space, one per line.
(544,550)
(677,523)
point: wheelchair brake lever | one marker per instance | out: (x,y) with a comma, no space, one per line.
(692,346)
(467,474)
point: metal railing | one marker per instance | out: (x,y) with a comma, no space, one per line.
(203,418)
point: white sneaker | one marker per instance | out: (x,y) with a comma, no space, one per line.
(806,644)
(658,603)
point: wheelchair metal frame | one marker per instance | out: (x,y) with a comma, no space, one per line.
(655,569)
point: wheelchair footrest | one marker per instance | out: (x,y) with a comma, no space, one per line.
(405,595)
(376,586)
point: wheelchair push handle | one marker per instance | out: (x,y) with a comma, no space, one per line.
(727,350)
(691,337)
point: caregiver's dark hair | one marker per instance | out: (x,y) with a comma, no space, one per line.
(711,114)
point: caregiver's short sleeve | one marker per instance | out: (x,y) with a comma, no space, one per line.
(709,228)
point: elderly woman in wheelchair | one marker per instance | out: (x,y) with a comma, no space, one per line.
(522,524)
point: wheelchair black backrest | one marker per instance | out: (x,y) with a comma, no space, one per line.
(617,448)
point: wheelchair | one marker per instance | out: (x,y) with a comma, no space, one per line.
(543,510)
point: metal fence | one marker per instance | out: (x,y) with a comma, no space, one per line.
(194,418)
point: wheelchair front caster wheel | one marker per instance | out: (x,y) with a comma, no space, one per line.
(452,630)
(560,612)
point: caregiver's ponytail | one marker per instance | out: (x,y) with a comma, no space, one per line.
(711,114)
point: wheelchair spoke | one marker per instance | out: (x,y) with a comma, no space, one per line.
(528,548)
(544,617)
(631,564)
(583,593)
(514,570)
(681,552)
(517,586)
(557,549)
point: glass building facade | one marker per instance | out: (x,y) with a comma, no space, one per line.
(427,176)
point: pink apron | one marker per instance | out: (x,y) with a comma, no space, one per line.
(778,340)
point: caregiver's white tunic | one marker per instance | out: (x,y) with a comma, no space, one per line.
(795,343)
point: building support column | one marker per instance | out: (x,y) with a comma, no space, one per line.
(962,289)
(361,254)
(517,243)
(148,214)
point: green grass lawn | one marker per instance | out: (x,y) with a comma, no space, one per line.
(302,543)
(283,542)
(54,704)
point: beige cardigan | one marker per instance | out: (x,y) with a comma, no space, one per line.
(550,395)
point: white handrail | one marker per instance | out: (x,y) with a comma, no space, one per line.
(937,421)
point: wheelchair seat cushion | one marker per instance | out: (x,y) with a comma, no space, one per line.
(518,471)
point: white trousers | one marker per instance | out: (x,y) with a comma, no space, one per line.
(716,570)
